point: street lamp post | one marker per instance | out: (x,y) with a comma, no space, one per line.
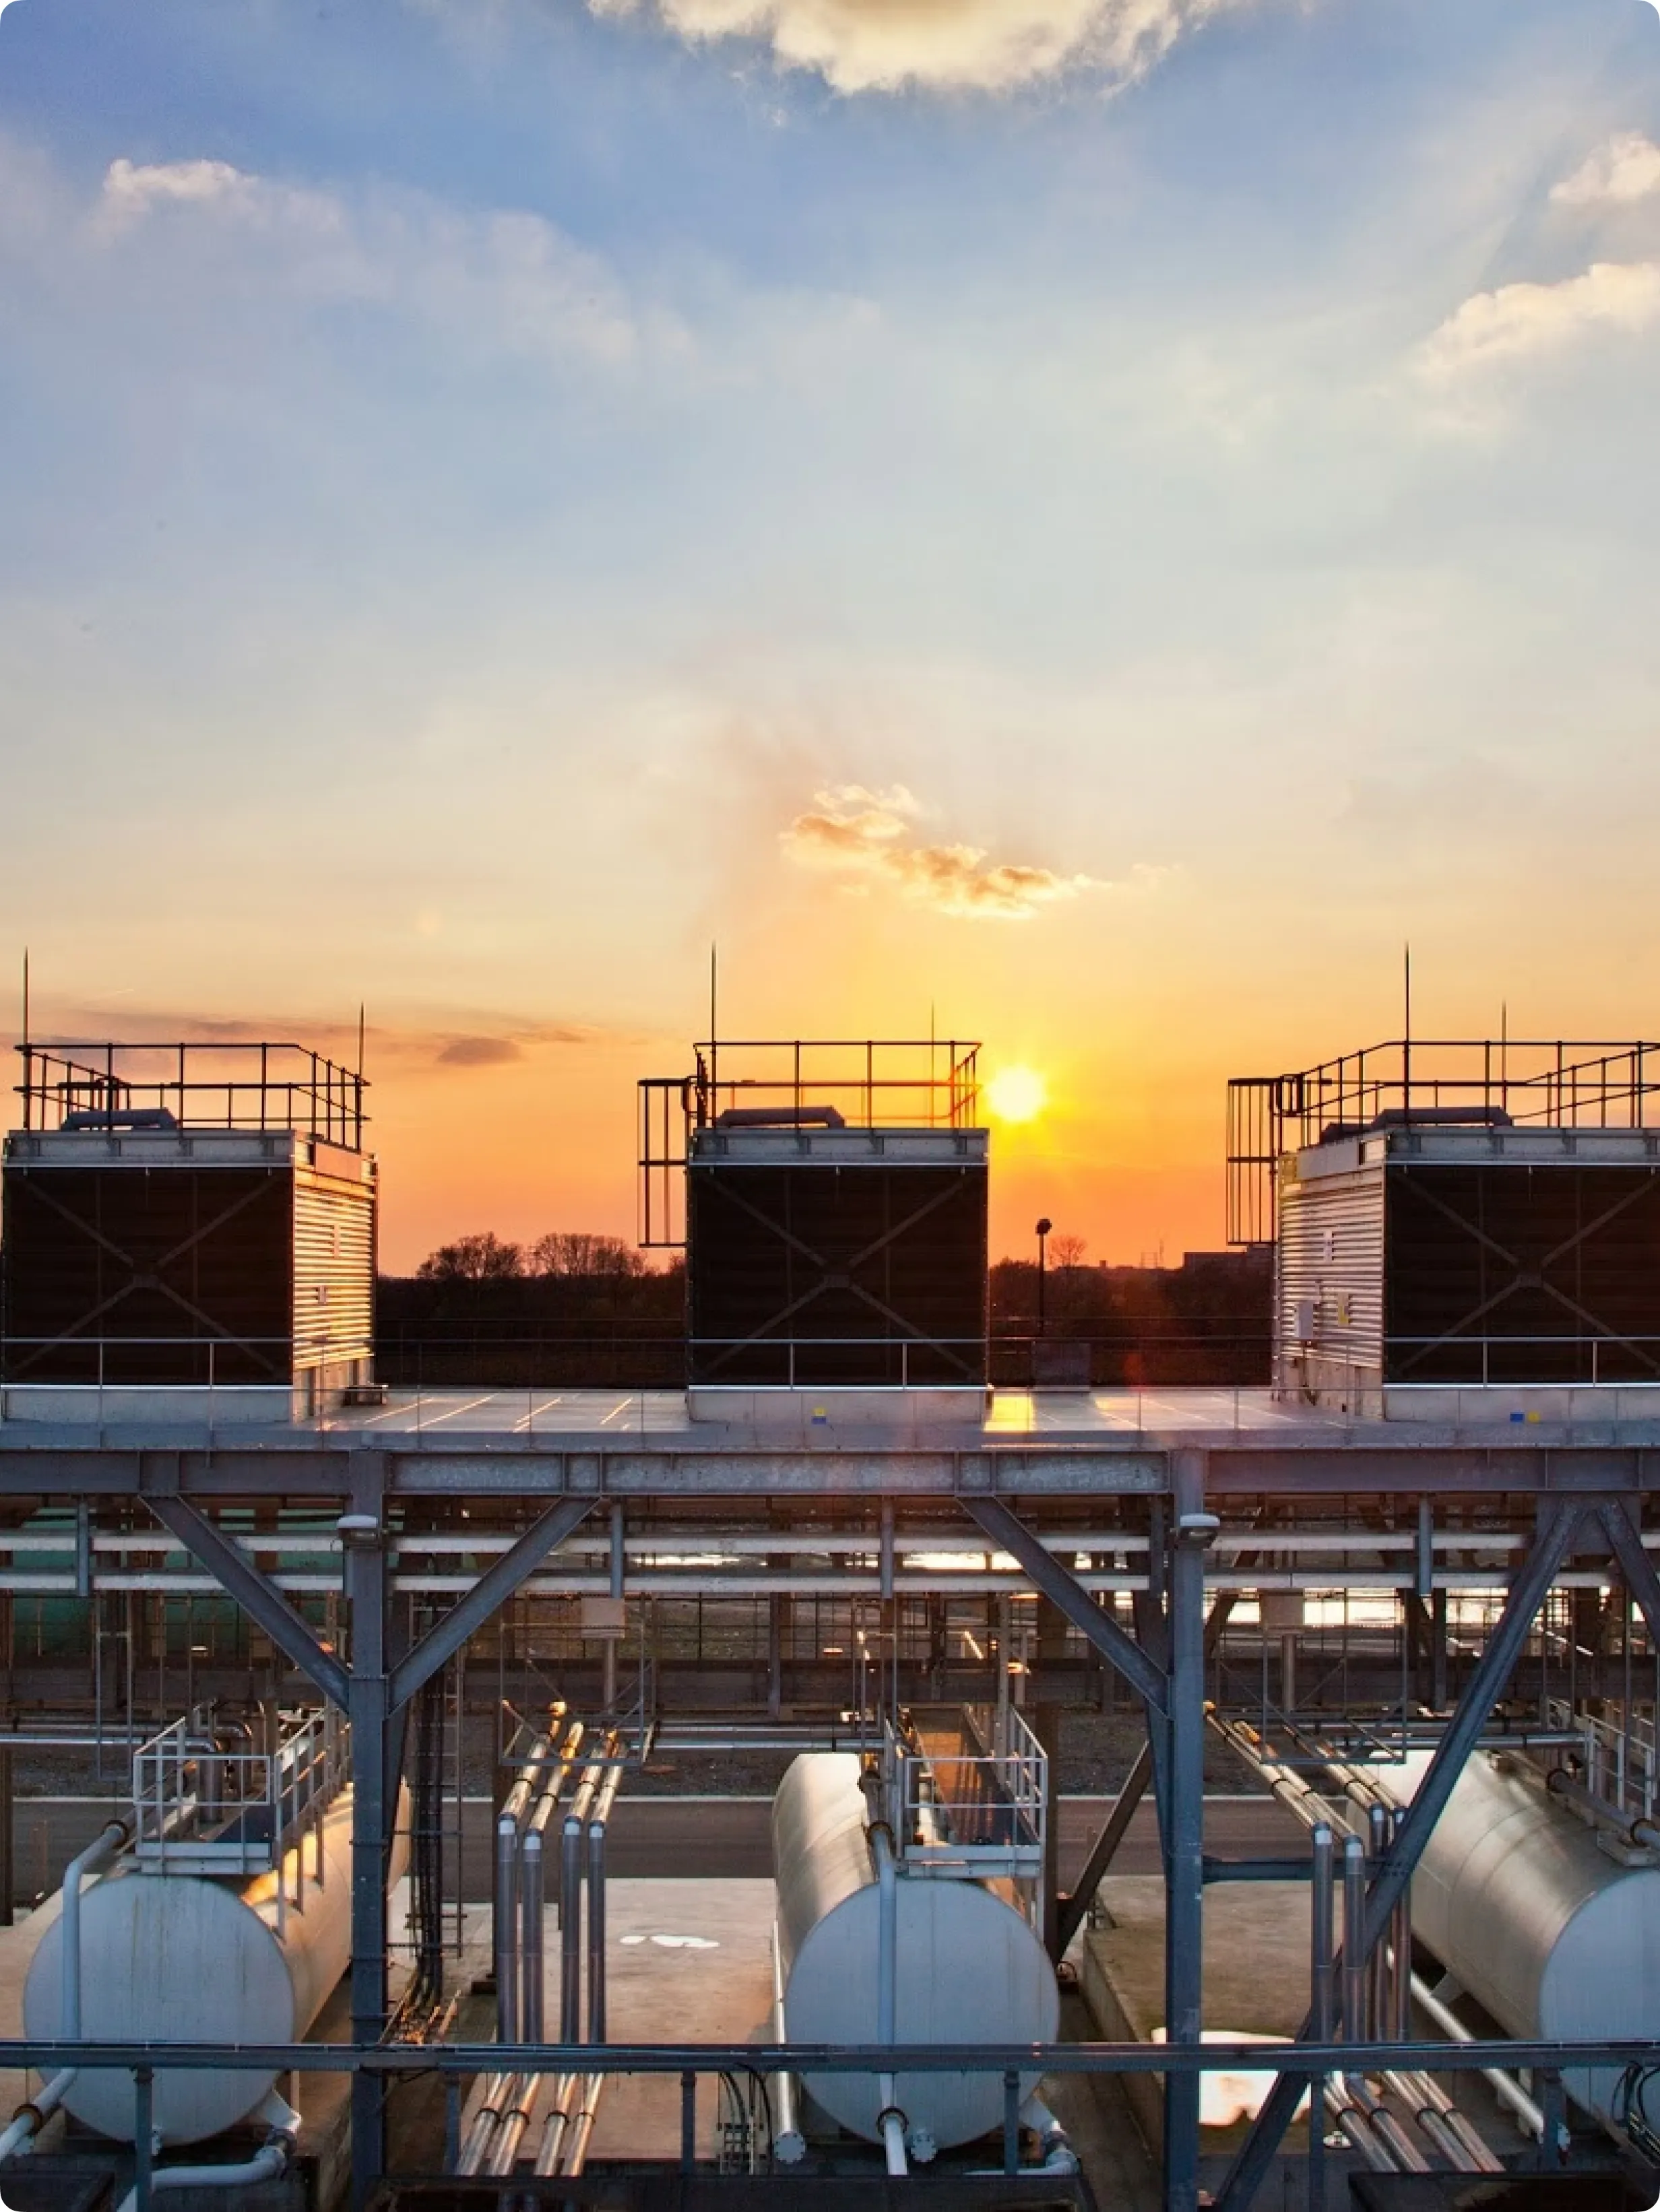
(1044,1229)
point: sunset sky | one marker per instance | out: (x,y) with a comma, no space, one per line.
(1087,521)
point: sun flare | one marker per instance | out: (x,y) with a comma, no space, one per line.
(1017,1094)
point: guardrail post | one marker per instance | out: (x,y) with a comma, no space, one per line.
(1011,2121)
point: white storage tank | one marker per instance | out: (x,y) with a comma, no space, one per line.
(967,1968)
(176,1958)
(1521,1906)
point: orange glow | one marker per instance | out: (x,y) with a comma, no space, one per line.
(1017,1094)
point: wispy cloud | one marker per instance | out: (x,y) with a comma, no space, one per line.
(1625,169)
(986,46)
(503,281)
(1520,321)
(867,837)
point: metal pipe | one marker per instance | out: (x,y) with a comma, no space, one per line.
(508,1822)
(1451,2135)
(570,1906)
(1400,1956)
(581,2127)
(97,1856)
(503,2154)
(19,2138)
(555,2124)
(1510,2092)
(1389,2131)
(532,1889)
(1354,1957)
(481,2130)
(893,2142)
(1640,1833)
(267,2164)
(597,1819)
(1378,1829)
(789,2142)
(1323,1990)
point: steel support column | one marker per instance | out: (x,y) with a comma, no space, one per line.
(1504,1646)
(1191,1528)
(1010,1533)
(1104,1849)
(263,1603)
(374,1796)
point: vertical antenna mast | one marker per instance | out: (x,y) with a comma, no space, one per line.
(714,1013)
(1406,1045)
(28,1067)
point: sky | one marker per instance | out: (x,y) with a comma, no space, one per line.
(1083,524)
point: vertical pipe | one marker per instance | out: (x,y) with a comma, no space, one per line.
(1401,1956)
(1354,1956)
(570,1907)
(1379,2010)
(600,1814)
(1321,1994)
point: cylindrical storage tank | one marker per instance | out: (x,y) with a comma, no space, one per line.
(967,1967)
(1515,1896)
(176,1958)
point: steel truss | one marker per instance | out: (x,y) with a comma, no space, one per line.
(1185,1522)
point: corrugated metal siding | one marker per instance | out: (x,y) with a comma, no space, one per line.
(1331,1256)
(334,1234)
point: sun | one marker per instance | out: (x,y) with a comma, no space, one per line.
(1017,1094)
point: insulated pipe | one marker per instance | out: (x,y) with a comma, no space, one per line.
(554,2126)
(1389,2131)
(533,1887)
(1354,1959)
(570,1907)
(1510,2092)
(19,2138)
(267,2164)
(889,2121)
(97,1856)
(498,2087)
(1382,2011)
(1352,2125)
(1054,2144)
(789,2143)
(1450,2132)
(581,2126)
(601,1813)
(508,1821)
(503,2153)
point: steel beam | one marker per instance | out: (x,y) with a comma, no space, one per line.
(1635,1564)
(265,1605)
(1010,1533)
(1504,1645)
(492,1590)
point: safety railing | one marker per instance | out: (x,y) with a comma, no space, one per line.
(974,1807)
(200,1807)
(1558,1083)
(120,1086)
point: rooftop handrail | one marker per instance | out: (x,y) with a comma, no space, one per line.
(116,1084)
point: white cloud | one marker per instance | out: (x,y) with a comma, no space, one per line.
(1520,321)
(861,835)
(503,281)
(1625,169)
(986,46)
